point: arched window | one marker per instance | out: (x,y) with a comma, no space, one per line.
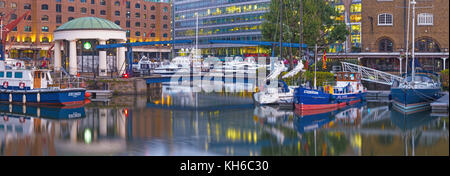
(425,19)
(137,34)
(83,10)
(385,19)
(44,7)
(165,17)
(152,17)
(137,6)
(385,45)
(427,45)
(44,28)
(44,18)
(152,8)
(45,40)
(165,9)
(117,22)
(27,40)
(165,26)
(117,3)
(117,13)
(137,15)
(137,24)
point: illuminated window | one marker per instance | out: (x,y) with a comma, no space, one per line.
(44,28)
(27,29)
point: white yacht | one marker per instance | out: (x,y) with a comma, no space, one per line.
(180,64)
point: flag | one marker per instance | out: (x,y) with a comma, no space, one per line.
(324,60)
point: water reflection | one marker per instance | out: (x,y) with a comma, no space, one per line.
(176,121)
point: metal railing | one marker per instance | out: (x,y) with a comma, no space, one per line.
(370,74)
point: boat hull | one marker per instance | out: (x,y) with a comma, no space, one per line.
(55,97)
(309,99)
(413,99)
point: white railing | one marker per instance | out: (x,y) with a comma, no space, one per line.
(370,74)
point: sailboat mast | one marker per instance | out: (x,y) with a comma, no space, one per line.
(196,36)
(407,39)
(281,29)
(413,71)
(315,67)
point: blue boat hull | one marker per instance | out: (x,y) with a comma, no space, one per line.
(413,99)
(310,99)
(60,97)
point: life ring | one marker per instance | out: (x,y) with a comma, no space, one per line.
(22,120)
(22,85)
(5,118)
(5,84)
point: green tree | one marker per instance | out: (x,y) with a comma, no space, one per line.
(319,24)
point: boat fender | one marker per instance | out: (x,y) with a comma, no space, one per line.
(22,85)
(5,118)
(5,84)
(22,120)
(18,64)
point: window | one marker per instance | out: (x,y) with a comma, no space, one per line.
(45,40)
(44,28)
(165,17)
(2,4)
(18,75)
(58,7)
(71,9)
(152,34)
(70,18)
(83,10)
(128,33)
(117,3)
(2,74)
(165,9)
(137,6)
(427,45)
(165,35)
(44,18)
(137,15)
(165,26)
(152,8)
(385,19)
(117,13)
(44,7)
(83,1)
(27,29)
(152,17)
(92,1)
(128,24)
(153,25)
(128,4)
(102,12)
(102,2)
(92,11)
(13,16)
(13,5)
(425,19)
(137,24)
(9,74)
(138,34)
(385,45)
(58,19)
(117,22)
(27,6)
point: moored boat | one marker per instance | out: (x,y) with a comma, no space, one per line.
(347,91)
(36,86)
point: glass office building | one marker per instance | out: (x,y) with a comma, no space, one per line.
(219,20)
(350,14)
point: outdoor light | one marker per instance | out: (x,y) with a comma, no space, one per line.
(87,45)
(87,136)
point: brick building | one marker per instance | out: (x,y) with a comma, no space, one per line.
(384,30)
(143,20)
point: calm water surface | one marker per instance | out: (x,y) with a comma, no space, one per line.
(175,121)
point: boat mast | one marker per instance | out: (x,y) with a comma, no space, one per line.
(301,39)
(413,71)
(281,30)
(315,67)
(196,36)
(407,40)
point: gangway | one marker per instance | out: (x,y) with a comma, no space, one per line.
(370,74)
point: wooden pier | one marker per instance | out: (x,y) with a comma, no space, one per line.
(440,105)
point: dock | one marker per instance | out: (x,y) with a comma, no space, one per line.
(100,95)
(440,105)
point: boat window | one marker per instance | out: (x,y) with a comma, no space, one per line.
(2,74)
(18,75)
(42,75)
(9,74)
(339,76)
(346,76)
(352,76)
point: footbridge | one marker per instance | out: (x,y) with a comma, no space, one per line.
(370,74)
